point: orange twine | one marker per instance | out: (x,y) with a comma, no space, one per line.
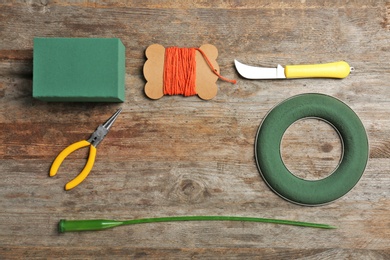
(180,71)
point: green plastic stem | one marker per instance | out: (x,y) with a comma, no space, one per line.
(100,224)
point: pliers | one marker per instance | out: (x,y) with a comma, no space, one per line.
(92,142)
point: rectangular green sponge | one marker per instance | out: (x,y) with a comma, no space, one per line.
(79,70)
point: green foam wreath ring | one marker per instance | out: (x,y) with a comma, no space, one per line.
(308,192)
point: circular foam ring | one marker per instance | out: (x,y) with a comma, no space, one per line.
(308,192)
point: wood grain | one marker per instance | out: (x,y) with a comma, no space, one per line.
(186,156)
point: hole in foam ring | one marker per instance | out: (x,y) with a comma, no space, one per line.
(311,149)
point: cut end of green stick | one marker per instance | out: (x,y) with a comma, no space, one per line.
(331,227)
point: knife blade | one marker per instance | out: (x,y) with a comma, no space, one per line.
(339,69)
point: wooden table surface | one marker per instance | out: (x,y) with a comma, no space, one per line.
(185,156)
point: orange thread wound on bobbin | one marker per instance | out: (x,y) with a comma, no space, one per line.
(180,71)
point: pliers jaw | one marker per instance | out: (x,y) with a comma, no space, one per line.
(103,129)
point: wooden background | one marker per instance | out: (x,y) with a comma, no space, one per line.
(185,156)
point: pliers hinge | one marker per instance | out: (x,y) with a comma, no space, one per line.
(98,135)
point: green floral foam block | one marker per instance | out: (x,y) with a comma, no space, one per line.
(79,70)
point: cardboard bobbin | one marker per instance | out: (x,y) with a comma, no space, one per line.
(206,79)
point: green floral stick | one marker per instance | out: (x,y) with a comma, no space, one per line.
(100,224)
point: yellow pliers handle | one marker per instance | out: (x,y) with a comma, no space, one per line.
(87,168)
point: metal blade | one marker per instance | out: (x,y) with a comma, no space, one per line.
(251,72)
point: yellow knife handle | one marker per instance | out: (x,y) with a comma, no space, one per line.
(84,173)
(339,69)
